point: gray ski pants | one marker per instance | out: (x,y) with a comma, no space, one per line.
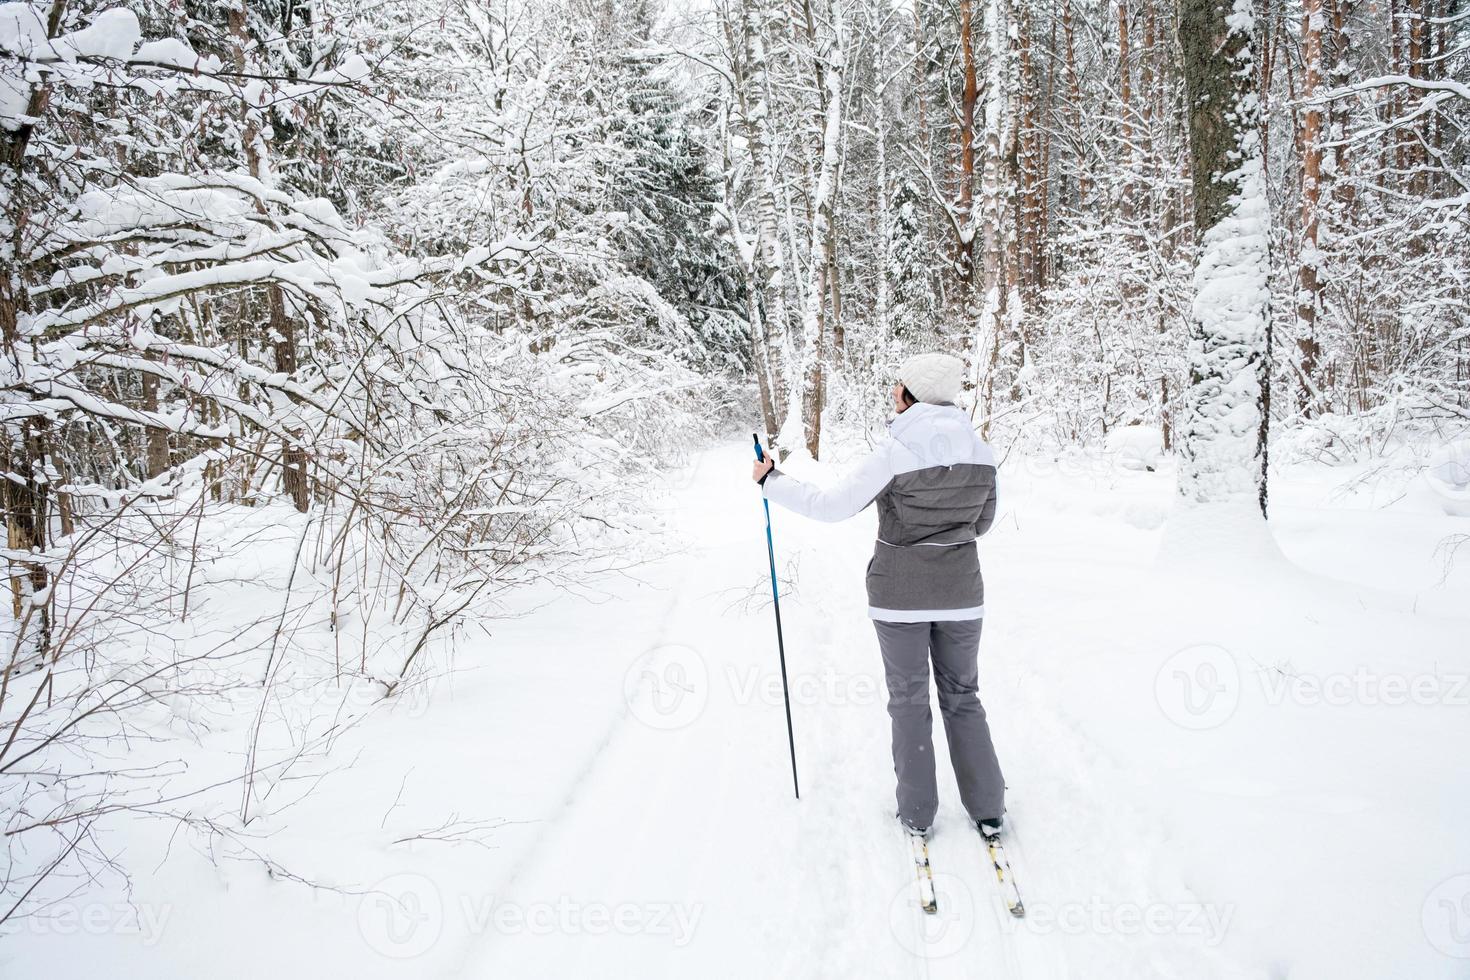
(954,648)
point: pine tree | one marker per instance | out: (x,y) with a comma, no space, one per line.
(1227,404)
(666,184)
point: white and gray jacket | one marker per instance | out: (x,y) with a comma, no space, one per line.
(933,479)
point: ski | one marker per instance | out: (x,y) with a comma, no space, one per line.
(1003,874)
(920,848)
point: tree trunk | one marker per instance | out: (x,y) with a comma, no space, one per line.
(282,326)
(156,454)
(1074,94)
(1342,190)
(885,210)
(749,251)
(1397,93)
(754,110)
(1309,293)
(965,178)
(293,454)
(1148,165)
(1268,45)
(25,494)
(1125,109)
(995,185)
(1029,170)
(1042,117)
(1417,159)
(1227,403)
(828,70)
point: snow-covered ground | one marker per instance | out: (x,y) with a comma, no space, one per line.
(1254,771)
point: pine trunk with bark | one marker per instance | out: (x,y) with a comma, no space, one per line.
(1309,291)
(965,172)
(1125,110)
(1227,405)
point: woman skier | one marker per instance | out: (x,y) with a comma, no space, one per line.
(933,479)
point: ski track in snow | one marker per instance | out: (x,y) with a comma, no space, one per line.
(636,749)
(702,814)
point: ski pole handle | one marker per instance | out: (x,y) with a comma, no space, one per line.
(760,457)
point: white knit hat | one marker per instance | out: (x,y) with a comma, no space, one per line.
(933,377)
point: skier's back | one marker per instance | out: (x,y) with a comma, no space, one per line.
(934,483)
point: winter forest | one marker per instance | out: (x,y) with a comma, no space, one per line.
(377,388)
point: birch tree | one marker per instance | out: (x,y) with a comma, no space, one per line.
(827,61)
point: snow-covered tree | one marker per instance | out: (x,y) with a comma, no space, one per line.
(429,298)
(1223,430)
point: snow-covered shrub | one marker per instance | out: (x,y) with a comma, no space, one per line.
(1136,447)
(1106,346)
(383,380)
(1448,475)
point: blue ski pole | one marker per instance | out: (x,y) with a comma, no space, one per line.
(780,642)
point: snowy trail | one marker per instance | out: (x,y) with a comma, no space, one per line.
(689,809)
(685,816)
(626,750)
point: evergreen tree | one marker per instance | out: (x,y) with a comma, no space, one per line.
(666,185)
